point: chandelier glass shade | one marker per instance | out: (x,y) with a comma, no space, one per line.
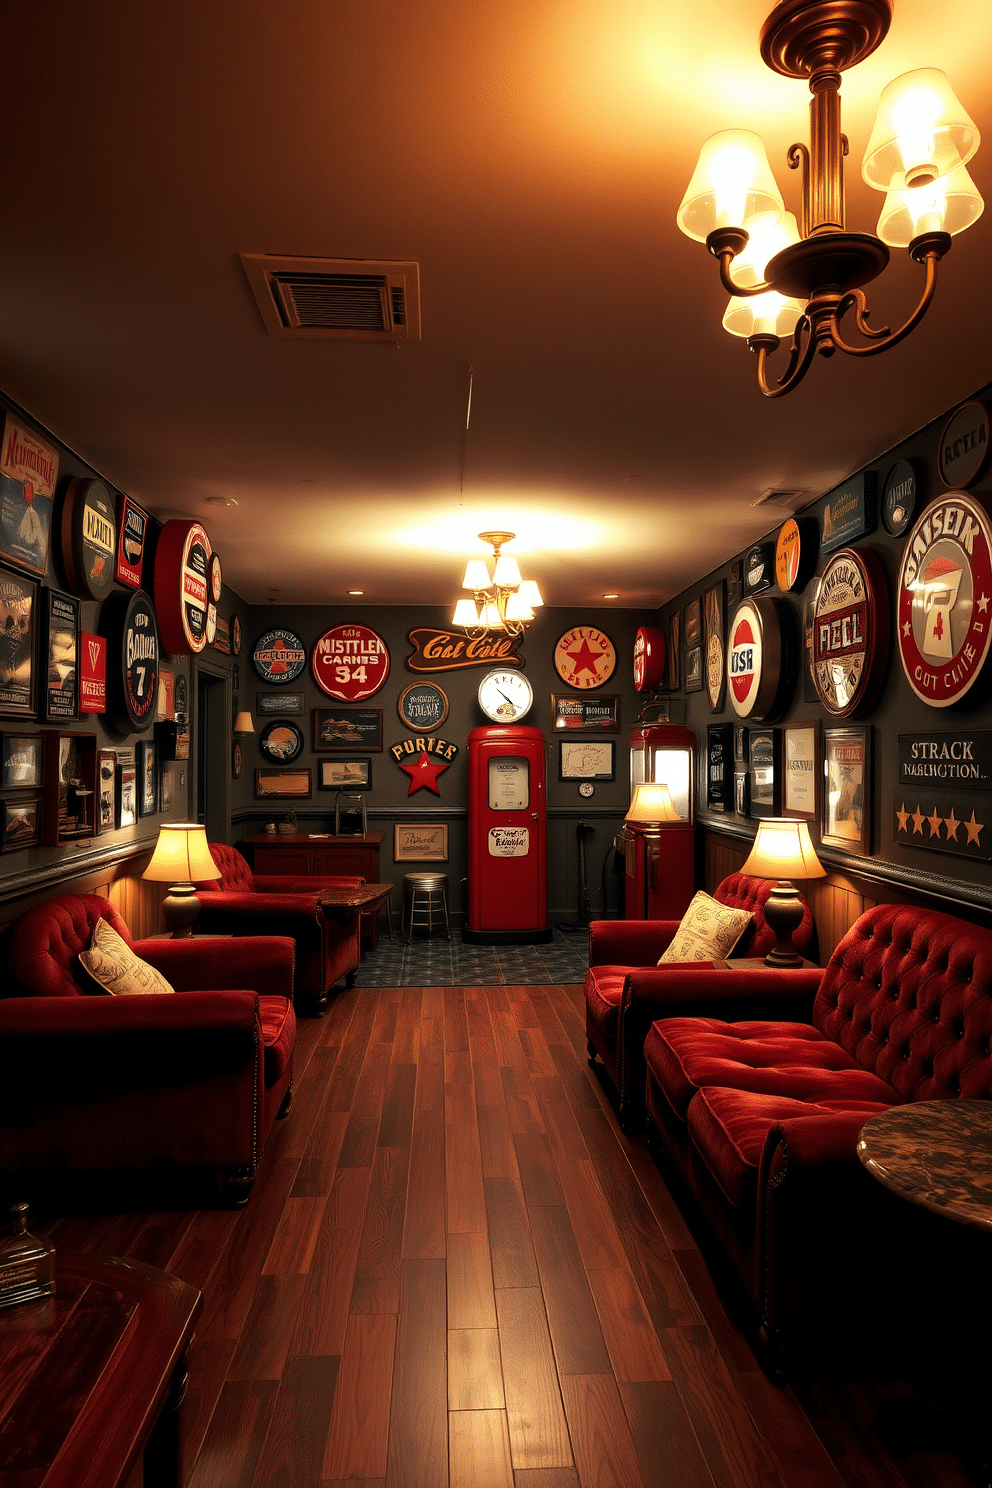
(503,602)
(800,279)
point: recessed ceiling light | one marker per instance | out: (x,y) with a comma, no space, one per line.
(356,591)
(221,501)
(611,596)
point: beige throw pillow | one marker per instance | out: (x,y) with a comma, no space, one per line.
(111,963)
(708,932)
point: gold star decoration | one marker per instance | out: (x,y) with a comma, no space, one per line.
(918,820)
(903,816)
(983,602)
(951,823)
(974,829)
(906,628)
(933,821)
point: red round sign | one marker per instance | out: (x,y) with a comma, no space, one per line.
(755,670)
(182,577)
(649,658)
(350,663)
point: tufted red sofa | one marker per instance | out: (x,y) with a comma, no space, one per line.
(93,1084)
(626,990)
(762,1117)
(242,903)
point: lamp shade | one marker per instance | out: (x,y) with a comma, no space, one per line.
(921,132)
(732,184)
(181,855)
(244,724)
(651,802)
(466,613)
(531,594)
(949,204)
(476,575)
(782,850)
(506,572)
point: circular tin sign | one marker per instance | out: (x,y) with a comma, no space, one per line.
(182,579)
(758,564)
(585,657)
(422,706)
(350,662)
(899,498)
(89,538)
(945,599)
(216,578)
(850,633)
(128,622)
(649,658)
(279,657)
(211,630)
(964,445)
(281,742)
(754,661)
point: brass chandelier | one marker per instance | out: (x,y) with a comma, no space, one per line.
(803,279)
(503,603)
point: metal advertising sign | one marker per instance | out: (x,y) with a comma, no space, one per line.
(89,538)
(182,576)
(29,470)
(451,651)
(128,622)
(422,706)
(509,842)
(350,662)
(964,445)
(649,658)
(586,715)
(945,599)
(755,670)
(899,495)
(848,512)
(944,759)
(132,523)
(850,632)
(585,657)
(92,673)
(279,657)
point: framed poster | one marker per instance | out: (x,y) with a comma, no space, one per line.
(585,657)
(585,715)
(148,778)
(693,623)
(586,759)
(346,775)
(126,804)
(92,673)
(350,662)
(719,767)
(281,741)
(343,730)
(675,652)
(420,842)
(106,794)
(21,824)
(282,784)
(422,706)
(801,770)
(848,512)
(267,703)
(765,774)
(22,761)
(89,538)
(132,528)
(694,669)
(845,820)
(714,648)
(18,626)
(29,471)
(165,789)
(59,666)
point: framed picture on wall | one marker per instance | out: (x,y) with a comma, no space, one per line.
(420,842)
(19,627)
(21,823)
(846,808)
(801,770)
(586,759)
(106,779)
(343,730)
(345,774)
(282,784)
(693,623)
(165,789)
(126,801)
(694,669)
(21,761)
(59,668)
(148,778)
(675,652)
(765,773)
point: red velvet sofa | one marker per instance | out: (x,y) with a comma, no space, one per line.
(762,1118)
(243,903)
(626,990)
(101,1085)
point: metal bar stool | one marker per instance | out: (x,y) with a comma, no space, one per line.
(424,894)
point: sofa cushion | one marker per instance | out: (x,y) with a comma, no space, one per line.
(791,1060)
(604,986)
(278,1035)
(113,965)
(708,931)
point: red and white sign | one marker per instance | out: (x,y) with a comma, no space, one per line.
(350,663)
(945,599)
(744,659)
(585,657)
(92,673)
(182,576)
(756,675)
(132,532)
(850,632)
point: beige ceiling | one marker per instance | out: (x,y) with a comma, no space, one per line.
(530,155)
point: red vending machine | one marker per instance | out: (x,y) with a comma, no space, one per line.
(507,836)
(659,849)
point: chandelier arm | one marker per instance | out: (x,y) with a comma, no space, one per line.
(931,257)
(798,156)
(801,355)
(857,300)
(726,255)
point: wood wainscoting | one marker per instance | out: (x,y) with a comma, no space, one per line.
(138,903)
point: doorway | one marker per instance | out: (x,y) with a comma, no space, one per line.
(213,743)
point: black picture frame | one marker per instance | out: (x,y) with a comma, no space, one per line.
(344,729)
(281,741)
(845,801)
(59,653)
(22,761)
(19,624)
(268,704)
(126,796)
(694,669)
(587,759)
(344,774)
(20,823)
(765,773)
(147,778)
(719,767)
(575,713)
(106,790)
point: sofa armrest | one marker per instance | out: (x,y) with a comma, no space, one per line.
(629,942)
(303,883)
(259,963)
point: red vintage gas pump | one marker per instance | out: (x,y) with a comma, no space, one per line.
(660,857)
(507,836)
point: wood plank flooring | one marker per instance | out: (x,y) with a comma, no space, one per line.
(454,1272)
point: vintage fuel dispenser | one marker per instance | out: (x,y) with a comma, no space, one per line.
(658,841)
(507,836)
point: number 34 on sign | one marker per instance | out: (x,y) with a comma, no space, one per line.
(350,662)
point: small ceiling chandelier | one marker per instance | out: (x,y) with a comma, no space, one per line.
(503,603)
(803,279)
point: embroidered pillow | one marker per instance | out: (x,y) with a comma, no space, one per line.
(113,965)
(708,932)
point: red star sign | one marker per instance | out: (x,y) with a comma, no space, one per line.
(585,659)
(424,771)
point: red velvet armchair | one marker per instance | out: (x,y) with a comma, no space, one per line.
(242,903)
(115,1086)
(626,990)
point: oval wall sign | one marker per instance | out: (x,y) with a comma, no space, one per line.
(422,706)
(585,657)
(795,553)
(899,498)
(850,632)
(964,445)
(754,660)
(649,658)
(945,599)
(128,622)
(132,522)
(182,579)
(89,538)
(279,656)
(350,662)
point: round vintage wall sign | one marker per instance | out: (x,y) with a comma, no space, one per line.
(759,564)
(945,599)
(216,578)
(350,662)
(211,631)
(235,636)
(89,538)
(899,498)
(649,658)
(754,661)
(279,656)
(422,706)
(964,445)
(182,580)
(850,632)
(715,664)
(585,657)
(128,622)
(281,742)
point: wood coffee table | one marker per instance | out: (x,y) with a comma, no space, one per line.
(343,904)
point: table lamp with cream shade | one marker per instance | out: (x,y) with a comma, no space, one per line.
(782,851)
(181,859)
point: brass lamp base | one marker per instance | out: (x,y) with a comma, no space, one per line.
(180,908)
(783,911)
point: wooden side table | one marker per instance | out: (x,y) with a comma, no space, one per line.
(321,853)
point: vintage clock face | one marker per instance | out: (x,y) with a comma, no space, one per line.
(505,696)
(585,657)
(850,632)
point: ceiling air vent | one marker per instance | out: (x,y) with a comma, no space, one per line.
(341,299)
(791,500)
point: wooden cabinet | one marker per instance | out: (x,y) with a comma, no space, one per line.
(354,857)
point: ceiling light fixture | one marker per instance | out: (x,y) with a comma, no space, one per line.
(802,279)
(503,603)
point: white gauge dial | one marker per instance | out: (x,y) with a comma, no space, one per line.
(505,696)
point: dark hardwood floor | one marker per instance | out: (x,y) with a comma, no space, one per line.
(455,1270)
